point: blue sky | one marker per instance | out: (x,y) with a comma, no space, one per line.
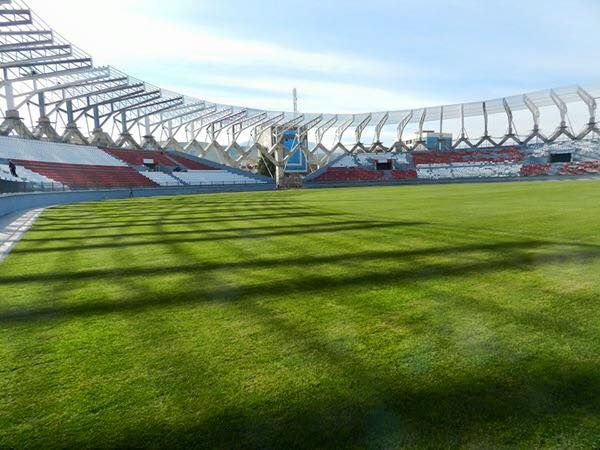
(343,56)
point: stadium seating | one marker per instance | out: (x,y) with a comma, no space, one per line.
(137,157)
(5,173)
(409,174)
(488,163)
(215,177)
(472,170)
(189,163)
(29,150)
(500,155)
(368,161)
(162,179)
(535,170)
(339,174)
(78,176)
(25,176)
(581,168)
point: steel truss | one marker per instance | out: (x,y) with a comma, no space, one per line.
(51,90)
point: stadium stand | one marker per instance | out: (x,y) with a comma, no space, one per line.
(29,150)
(535,170)
(337,174)
(162,179)
(47,165)
(215,177)
(140,157)
(511,162)
(188,163)
(495,155)
(472,170)
(79,176)
(24,176)
(581,168)
(59,165)
(408,174)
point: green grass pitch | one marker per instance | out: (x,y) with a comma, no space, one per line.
(397,317)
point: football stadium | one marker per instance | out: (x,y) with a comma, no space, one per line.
(178,272)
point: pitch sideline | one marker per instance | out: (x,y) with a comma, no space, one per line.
(13,227)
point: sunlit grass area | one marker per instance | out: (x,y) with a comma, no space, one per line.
(432,316)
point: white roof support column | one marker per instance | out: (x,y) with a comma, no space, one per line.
(486,131)
(535,115)
(215,128)
(339,133)
(324,128)
(237,128)
(208,118)
(421,127)
(260,130)
(563,110)
(590,101)
(360,128)
(178,113)
(510,132)
(377,144)
(463,131)
(535,112)
(400,145)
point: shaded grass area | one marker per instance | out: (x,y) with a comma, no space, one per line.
(419,317)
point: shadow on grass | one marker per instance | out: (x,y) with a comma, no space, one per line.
(86,226)
(101,217)
(223,235)
(264,263)
(508,256)
(477,413)
(264,231)
(369,407)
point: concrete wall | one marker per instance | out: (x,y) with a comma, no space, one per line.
(11,203)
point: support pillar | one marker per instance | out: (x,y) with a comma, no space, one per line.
(72,135)
(279,165)
(149,142)
(99,138)
(125,139)
(12,122)
(44,128)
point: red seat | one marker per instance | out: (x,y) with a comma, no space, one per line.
(335,174)
(536,170)
(137,157)
(410,174)
(189,164)
(498,155)
(81,176)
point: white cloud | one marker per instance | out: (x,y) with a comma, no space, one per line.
(120,32)
(124,33)
(322,96)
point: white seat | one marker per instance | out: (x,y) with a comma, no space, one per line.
(51,152)
(468,170)
(210,177)
(162,179)
(24,176)
(366,160)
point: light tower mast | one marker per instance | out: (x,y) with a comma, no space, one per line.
(295,98)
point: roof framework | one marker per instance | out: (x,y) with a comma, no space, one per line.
(50,89)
